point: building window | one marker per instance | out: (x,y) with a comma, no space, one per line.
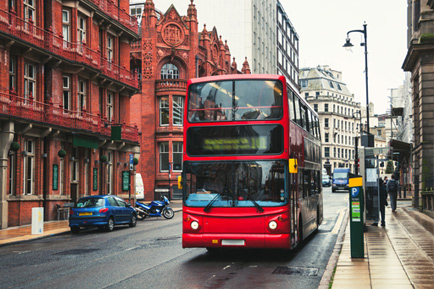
(61,175)
(12,163)
(315,107)
(326,122)
(169,71)
(109,106)
(164,111)
(81,102)
(334,152)
(81,31)
(66,92)
(66,26)
(137,12)
(86,171)
(164,156)
(177,156)
(29,80)
(29,10)
(74,165)
(326,137)
(334,108)
(177,111)
(109,173)
(326,152)
(326,107)
(29,167)
(331,84)
(110,48)
(13,73)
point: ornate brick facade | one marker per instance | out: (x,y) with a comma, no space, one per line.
(171,51)
(64,83)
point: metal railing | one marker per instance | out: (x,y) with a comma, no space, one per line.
(27,31)
(28,108)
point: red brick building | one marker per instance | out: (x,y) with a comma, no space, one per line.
(171,50)
(65,81)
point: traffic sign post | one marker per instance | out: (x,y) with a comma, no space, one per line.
(356,217)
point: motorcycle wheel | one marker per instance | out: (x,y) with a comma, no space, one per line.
(168,213)
(141,216)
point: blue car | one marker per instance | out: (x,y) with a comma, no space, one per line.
(103,212)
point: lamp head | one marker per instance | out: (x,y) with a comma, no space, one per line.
(348,44)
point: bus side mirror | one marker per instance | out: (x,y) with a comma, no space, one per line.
(293,167)
(180,182)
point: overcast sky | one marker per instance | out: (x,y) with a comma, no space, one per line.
(322,26)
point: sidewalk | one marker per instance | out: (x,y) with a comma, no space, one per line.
(400,255)
(24,233)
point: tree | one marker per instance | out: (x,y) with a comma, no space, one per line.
(389,168)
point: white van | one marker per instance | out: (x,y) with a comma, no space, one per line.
(139,189)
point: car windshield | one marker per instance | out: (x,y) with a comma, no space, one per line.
(90,203)
(340,175)
(325,177)
(235,184)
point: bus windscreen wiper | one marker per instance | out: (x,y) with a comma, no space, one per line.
(258,207)
(208,207)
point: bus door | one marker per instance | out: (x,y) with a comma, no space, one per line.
(292,190)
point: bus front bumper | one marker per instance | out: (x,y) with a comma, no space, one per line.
(236,240)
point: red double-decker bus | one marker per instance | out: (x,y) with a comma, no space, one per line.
(251,164)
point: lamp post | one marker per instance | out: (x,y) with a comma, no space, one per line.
(356,157)
(348,45)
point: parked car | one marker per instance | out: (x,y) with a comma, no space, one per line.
(326,182)
(103,212)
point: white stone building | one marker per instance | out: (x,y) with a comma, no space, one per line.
(338,112)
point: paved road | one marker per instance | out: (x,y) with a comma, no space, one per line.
(150,256)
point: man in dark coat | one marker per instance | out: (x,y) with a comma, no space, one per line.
(392,190)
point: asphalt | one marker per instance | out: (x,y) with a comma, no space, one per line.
(24,233)
(399,255)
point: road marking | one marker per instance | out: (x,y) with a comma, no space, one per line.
(338,222)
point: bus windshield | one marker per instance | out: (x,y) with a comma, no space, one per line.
(235,100)
(235,184)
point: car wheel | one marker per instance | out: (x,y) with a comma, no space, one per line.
(133,222)
(110,225)
(75,229)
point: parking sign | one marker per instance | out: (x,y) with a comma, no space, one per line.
(131,162)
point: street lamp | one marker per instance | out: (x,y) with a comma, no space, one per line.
(356,158)
(348,45)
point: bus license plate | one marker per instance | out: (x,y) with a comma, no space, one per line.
(85,214)
(233,242)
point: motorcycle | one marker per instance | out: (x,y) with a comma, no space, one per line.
(154,209)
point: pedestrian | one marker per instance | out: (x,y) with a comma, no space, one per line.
(383,202)
(392,190)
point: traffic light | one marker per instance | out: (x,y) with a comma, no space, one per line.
(356,165)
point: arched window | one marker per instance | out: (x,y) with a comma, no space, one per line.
(169,71)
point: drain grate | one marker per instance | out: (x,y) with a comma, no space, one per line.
(301,271)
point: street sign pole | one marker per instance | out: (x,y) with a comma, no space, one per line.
(131,173)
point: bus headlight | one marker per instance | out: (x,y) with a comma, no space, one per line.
(272,225)
(194,225)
